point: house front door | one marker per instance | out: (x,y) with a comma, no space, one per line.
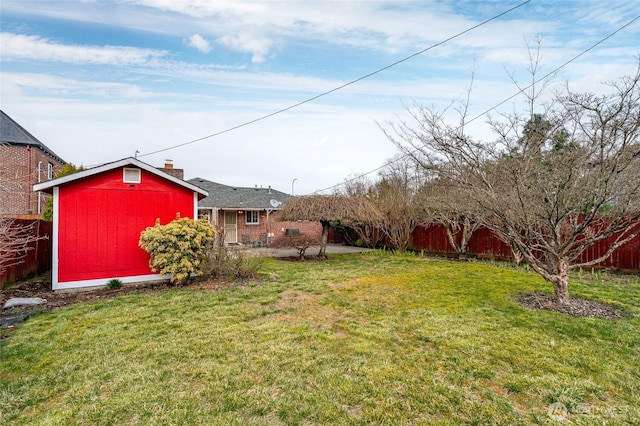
(230,227)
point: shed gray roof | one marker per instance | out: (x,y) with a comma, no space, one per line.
(14,134)
(230,197)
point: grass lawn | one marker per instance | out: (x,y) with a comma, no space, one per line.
(359,339)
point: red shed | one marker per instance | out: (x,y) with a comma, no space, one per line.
(98,215)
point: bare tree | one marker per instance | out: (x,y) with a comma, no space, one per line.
(577,187)
(17,237)
(16,240)
(441,203)
(395,196)
(300,242)
(326,208)
(368,233)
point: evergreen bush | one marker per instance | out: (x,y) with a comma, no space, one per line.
(178,248)
(114,284)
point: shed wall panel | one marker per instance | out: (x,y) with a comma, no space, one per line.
(101,219)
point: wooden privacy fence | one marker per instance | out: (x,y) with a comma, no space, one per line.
(485,244)
(38,256)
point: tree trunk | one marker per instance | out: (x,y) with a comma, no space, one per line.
(464,243)
(323,242)
(451,236)
(516,254)
(560,283)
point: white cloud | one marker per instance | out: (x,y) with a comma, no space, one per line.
(60,86)
(203,8)
(301,144)
(390,26)
(198,42)
(146,99)
(17,46)
(258,46)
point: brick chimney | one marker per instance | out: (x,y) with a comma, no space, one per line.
(168,169)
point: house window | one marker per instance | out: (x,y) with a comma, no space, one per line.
(131,176)
(203,215)
(207,215)
(49,171)
(252,217)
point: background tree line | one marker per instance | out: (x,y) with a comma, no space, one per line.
(551,183)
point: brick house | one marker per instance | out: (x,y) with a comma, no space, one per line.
(244,215)
(24,161)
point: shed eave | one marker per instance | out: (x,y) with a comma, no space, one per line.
(49,185)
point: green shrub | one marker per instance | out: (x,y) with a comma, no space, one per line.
(114,284)
(178,248)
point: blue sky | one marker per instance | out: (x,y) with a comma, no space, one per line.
(97,80)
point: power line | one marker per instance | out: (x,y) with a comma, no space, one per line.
(482,114)
(280,111)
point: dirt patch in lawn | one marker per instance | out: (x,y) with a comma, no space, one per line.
(575,307)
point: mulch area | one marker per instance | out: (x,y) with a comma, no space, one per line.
(58,299)
(575,307)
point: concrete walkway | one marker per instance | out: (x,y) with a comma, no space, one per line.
(311,251)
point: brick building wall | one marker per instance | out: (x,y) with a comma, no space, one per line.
(263,226)
(22,166)
(304,227)
(170,170)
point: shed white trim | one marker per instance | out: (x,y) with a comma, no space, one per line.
(101,282)
(54,236)
(49,185)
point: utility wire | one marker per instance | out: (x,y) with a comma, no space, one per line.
(482,114)
(280,111)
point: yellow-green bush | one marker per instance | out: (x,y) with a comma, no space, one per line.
(178,248)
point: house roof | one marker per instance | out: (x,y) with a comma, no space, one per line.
(49,185)
(231,197)
(14,134)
